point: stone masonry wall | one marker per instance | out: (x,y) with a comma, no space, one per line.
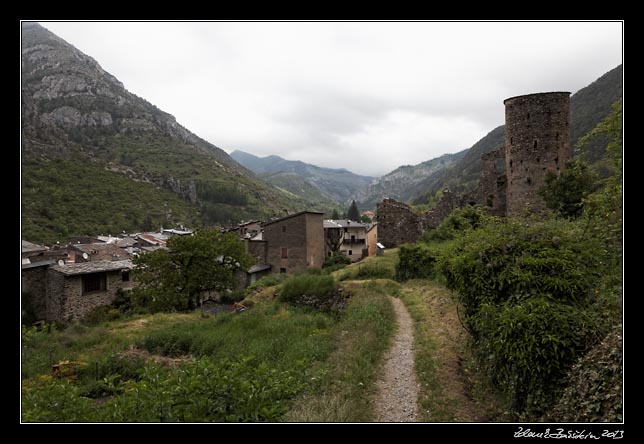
(537,140)
(314,240)
(434,217)
(302,236)
(34,283)
(66,301)
(491,189)
(397,223)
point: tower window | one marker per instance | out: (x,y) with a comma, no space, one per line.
(511,141)
(529,180)
(528,116)
(557,136)
(535,143)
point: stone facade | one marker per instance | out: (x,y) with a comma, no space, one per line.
(537,140)
(491,189)
(398,223)
(67,296)
(433,218)
(295,242)
(372,239)
(257,249)
(34,283)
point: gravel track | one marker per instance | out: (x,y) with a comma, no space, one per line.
(396,399)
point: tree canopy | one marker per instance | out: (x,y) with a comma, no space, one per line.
(177,278)
(354,213)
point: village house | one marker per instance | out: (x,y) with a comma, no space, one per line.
(294,242)
(346,236)
(370,214)
(250,229)
(74,290)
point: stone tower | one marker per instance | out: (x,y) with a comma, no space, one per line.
(537,140)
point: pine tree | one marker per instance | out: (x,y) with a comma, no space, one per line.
(354,213)
(335,215)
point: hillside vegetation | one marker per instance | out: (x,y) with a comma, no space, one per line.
(133,156)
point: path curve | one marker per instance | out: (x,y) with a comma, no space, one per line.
(397,396)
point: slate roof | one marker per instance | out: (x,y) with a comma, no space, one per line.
(30,247)
(343,223)
(92,267)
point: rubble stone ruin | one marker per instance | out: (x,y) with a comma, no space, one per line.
(537,141)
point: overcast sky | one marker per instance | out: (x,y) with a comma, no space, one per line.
(366,96)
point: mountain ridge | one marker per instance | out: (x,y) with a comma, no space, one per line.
(79,122)
(338,183)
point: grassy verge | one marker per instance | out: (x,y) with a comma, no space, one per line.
(440,345)
(342,386)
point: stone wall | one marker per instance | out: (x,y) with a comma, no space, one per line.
(34,282)
(257,249)
(491,189)
(302,236)
(434,217)
(314,240)
(66,301)
(537,140)
(398,223)
(372,239)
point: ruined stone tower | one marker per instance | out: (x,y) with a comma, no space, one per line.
(537,140)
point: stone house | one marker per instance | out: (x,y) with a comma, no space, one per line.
(294,242)
(73,290)
(372,238)
(348,236)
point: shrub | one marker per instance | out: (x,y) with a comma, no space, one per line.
(514,260)
(338,258)
(101,314)
(416,261)
(594,386)
(459,221)
(527,348)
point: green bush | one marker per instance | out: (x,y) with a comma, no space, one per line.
(527,348)
(243,390)
(529,290)
(321,287)
(101,314)
(513,260)
(338,258)
(459,221)
(416,261)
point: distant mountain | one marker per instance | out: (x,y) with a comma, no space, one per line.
(340,184)
(403,183)
(293,183)
(588,106)
(97,158)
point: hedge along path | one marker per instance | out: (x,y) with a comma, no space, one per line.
(397,394)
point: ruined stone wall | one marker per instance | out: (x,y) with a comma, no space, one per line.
(397,223)
(434,217)
(491,189)
(537,140)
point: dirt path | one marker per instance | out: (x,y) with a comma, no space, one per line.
(396,400)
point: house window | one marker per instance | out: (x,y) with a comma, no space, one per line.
(284,253)
(350,252)
(125,276)
(330,254)
(94,282)
(284,229)
(282,270)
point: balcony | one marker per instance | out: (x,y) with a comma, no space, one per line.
(354,242)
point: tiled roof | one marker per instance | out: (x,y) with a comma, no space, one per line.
(92,267)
